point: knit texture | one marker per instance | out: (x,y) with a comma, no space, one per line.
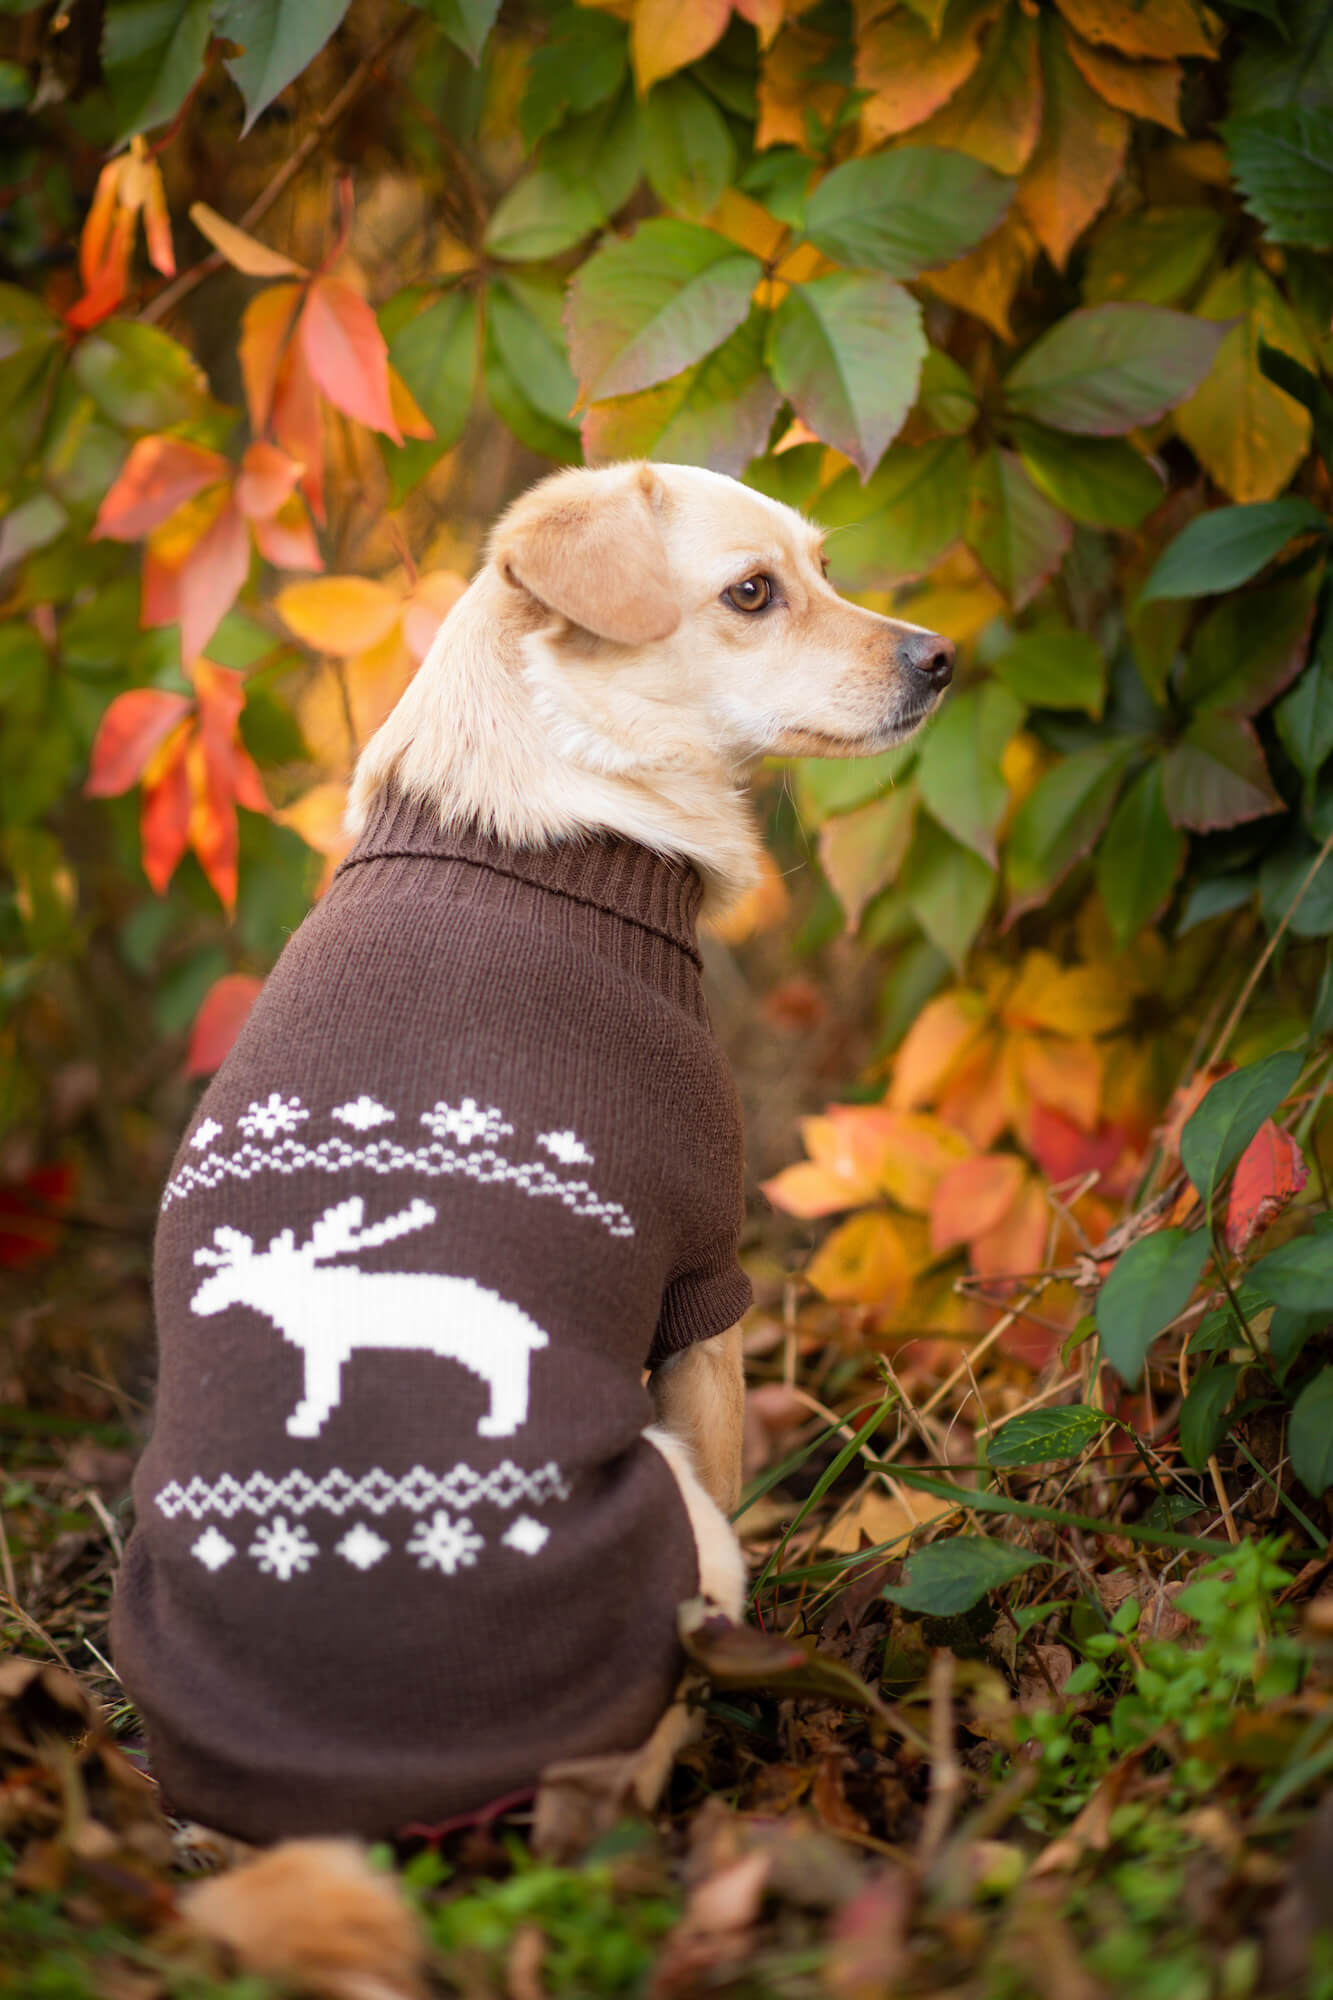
(473,1163)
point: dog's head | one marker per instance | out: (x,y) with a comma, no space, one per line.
(673,597)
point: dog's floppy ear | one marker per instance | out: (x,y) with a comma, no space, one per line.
(592,550)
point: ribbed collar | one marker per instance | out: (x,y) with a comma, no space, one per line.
(659,892)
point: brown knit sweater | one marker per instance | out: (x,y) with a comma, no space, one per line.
(473,1162)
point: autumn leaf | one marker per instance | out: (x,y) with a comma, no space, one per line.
(1069,178)
(908,73)
(665,36)
(266,326)
(128,186)
(342,615)
(133,728)
(865,1262)
(243,251)
(346,354)
(1270,1173)
(944,1032)
(160,475)
(973,1197)
(793,96)
(222,1014)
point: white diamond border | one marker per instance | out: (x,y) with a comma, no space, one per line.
(336,1491)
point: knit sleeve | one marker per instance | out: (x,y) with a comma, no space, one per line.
(701,1301)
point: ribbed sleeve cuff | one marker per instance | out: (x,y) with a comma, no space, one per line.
(699,1306)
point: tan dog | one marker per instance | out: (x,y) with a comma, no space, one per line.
(638,638)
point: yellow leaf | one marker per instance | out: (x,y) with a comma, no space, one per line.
(1145,89)
(1076,1000)
(376,679)
(996,116)
(920,1151)
(944,1032)
(246,252)
(1064,1075)
(863,1263)
(745,222)
(980,1097)
(1078,157)
(759,909)
(342,615)
(666,35)
(985,281)
(1245,432)
(788,90)
(318,817)
(173,541)
(959,598)
(408,414)
(432,598)
(1160,29)
(909,74)
(882,1519)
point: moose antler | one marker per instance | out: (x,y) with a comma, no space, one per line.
(233,1248)
(340,1228)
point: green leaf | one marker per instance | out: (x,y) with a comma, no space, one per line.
(1282,162)
(946,398)
(959,771)
(543,214)
(30,524)
(1061,817)
(1157,256)
(1152,1283)
(1215,775)
(1299,1275)
(466,23)
(1223,1124)
(152,54)
(643,309)
(688,153)
(1310,1433)
(1012,528)
(435,352)
(1304,718)
(861,852)
(585,61)
(1203,1414)
(906,211)
(24,670)
(948,889)
(1288,1332)
(1228,546)
(599,149)
(1054,667)
(1101,482)
(953,1574)
(1281,879)
(828,785)
(140,379)
(717,413)
(893,526)
(1139,857)
(846,350)
(1104,370)
(527,333)
(1039,1437)
(15,88)
(278,38)
(1249,647)
(509,398)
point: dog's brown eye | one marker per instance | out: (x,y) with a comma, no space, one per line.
(751,595)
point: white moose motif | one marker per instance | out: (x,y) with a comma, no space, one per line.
(327,1310)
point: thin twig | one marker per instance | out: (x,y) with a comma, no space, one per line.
(1247,990)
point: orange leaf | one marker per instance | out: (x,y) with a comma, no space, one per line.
(764,16)
(973,1197)
(792,96)
(212,822)
(986,281)
(210,578)
(164,815)
(95,238)
(222,1014)
(110,279)
(908,73)
(265,327)
(298,423)
(978,1096)
(346,355)
(917,1152)
(943,1032)
(1066,1075)
(665,36)
(1165,28)
(318,817)
(842,1171)
(996,116)
(133,728)
(342,615)
(266,478)
(1016,1244)
(160,474)
(157,222)
(1077,1000)
(1270,1172)
(246,252)
(1146,90)
(408,414)
(865,1262)
(288,540)
(1080,153)
(160,597)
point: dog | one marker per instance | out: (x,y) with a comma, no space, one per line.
(440,1546)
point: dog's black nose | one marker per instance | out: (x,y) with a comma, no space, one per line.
(930,656)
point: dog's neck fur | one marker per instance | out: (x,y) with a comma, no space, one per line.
(496,735)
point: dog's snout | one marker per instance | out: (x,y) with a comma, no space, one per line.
(930,656)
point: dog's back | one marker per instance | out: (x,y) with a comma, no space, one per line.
(401,1544)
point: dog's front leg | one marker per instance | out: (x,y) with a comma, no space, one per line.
(699,1395)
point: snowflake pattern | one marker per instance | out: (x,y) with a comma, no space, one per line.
(280,1114)
(465,1122)
(282,1551)
(207,1131)
(362,1547)
(444,1544)
(567,1147)
(529,1537)
(213,1549)
(363,1114)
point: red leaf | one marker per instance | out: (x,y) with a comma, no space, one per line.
(232,772)
(225,1009)
(265,326)
(266,477)
(30,1223)
(346,355)
(164,819)
(974,1197)
(212,827)
(298,424)
(134,726)
(288,540)
(159,475)
(210,578)
(160,595)
(1271,1171)
(1065,1152)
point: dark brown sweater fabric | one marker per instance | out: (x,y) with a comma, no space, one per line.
(473,1162)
